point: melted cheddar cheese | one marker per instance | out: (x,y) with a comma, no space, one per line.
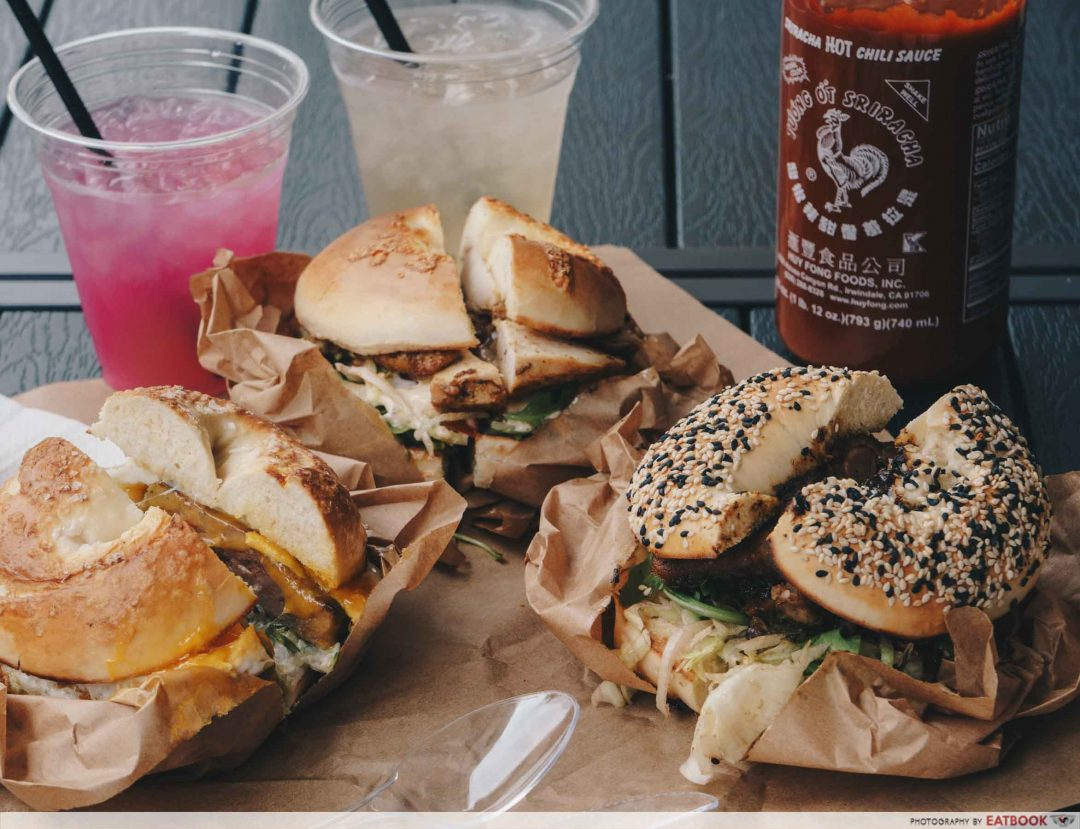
(353,597)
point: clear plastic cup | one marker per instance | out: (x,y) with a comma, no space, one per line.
(478,108)
(196,126)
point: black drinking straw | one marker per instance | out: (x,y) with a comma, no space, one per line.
(80,115)
(388,25)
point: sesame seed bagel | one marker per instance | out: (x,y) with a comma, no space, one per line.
(960,518)
(714,477)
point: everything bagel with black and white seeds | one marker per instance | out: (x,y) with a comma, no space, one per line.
(775,526)
(716,475)
(960,517)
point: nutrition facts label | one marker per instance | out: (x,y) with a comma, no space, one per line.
(993,160)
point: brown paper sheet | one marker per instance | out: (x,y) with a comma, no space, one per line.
(853,714)
(63,754)
(463,640)
(244,336)
(677,380)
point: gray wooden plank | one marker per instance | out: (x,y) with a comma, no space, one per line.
(727,312)
(39,347)
(322,197)
(1046,341)
(726,88)
(726,63)
(13,49)
(1048,164)
(763,329)
(611,174)
(27,220)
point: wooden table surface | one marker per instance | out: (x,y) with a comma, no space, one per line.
(669,149)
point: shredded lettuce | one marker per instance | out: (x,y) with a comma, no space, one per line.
(835,640)
(637,642)
(741,704)
(706,656)
(723,649)
(917,659)
(404,404)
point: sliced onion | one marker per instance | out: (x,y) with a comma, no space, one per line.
(675,646)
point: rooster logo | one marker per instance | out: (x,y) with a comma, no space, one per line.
(864,168)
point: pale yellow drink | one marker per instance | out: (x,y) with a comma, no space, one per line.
(479,110)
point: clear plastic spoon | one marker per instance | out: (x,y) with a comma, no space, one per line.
(484,761)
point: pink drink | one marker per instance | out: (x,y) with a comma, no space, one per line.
(137,229)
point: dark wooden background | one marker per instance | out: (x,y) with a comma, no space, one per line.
(670,149)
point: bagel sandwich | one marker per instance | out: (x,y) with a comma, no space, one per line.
(553,315)
(274,515)
(775,527)
(420,341)
(98,596)
(384,303)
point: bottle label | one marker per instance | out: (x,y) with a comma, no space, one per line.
(897,171)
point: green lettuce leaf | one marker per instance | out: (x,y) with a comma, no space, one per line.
(537,410)
(637,576)
(641,574)
(834,640)
(721,613)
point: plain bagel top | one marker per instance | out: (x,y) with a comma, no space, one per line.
(386,286)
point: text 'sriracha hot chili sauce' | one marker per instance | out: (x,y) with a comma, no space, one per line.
(897,173)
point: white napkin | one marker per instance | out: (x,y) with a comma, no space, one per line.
(21,428)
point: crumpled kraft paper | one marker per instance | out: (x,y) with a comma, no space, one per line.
(853,714)
(461,640)
(243,303)
(676,381)
(63,754)
(245,335)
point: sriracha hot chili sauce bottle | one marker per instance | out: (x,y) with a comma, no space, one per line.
(898,132)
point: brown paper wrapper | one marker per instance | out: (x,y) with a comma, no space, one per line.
(244,335)
(853,714)
(64,754)
(676,380)
(461,641)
